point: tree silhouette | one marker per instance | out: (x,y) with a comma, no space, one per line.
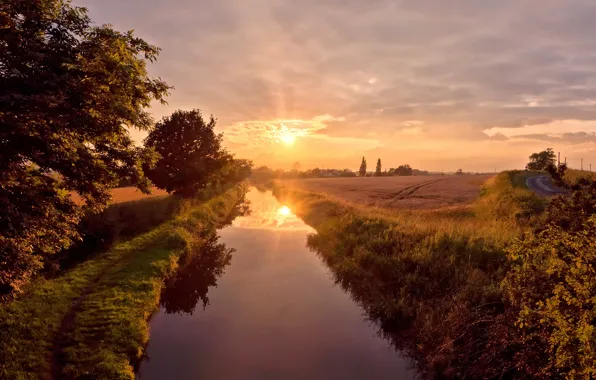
(542,160)
(362,170)
(193,280)
(378,169)
(404,170)
(192,155)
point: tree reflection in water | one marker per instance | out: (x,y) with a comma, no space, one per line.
(199,271)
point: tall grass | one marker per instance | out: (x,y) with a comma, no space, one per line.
(572,175)
(428,279)
(92,321)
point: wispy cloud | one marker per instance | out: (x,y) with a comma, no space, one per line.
(459,67)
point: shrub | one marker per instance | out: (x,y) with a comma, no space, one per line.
(551,285)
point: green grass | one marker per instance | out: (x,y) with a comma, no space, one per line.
(114,295)
(430,279)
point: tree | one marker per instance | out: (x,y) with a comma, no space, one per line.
(68,94)
(542,160)
(378,168)
(459,172)
(404,170)
(347,173)
(192,157)
(362,170)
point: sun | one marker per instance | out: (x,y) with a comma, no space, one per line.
(285,211)
(287,138)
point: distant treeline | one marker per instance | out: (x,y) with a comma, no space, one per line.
(265,173)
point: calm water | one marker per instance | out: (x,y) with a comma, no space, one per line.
(268,310)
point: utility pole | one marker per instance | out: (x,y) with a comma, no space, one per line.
(565,160)
(559,159)
(582,164)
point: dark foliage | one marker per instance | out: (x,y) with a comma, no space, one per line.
(542,160)
(194,278)
(362,170)
(404,170)
(378,169)
(68,91)
(192,156)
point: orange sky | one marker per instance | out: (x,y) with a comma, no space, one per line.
(438,85)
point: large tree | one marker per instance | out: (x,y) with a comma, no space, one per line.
(362,170)
(69,91)
(192,156)
(542,160)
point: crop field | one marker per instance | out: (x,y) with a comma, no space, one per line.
(421,192)
(126,194)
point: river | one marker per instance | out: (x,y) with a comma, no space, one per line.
(258,304)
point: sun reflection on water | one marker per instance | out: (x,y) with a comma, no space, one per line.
(267,213)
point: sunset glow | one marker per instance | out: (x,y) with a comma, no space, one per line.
(285,211)
(308,91)
(287,138)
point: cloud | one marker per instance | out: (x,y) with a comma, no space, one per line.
(259,133)
(498,137)
(464,67)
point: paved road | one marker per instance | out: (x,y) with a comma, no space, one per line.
(542,185)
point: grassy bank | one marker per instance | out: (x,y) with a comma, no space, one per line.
(92,321)
(429,279)
(572,175)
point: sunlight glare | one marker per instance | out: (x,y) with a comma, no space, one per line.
(285,211)
(288,138)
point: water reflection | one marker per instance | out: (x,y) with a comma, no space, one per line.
(274,314)
(194,278)
(200,270)
(270,215)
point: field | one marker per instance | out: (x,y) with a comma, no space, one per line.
(423,192)
(126,194)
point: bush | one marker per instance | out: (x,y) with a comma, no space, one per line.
(551,285)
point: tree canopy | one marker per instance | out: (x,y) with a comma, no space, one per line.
(192,156)
(378,168)
(68,93)
(404,170)
(362,170)
(542,160)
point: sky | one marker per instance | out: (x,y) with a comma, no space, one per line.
(437,84)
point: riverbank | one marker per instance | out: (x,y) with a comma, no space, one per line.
(92,321)
(429,279)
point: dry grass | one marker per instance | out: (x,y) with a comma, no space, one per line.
(573,175)
(424,192)
(126,194)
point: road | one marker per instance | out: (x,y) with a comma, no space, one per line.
(542,185)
